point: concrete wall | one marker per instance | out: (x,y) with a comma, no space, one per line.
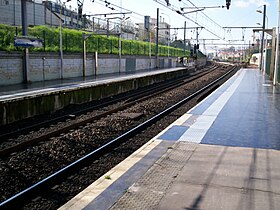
(10,69)
(46,66)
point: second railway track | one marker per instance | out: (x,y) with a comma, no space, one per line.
(67,122)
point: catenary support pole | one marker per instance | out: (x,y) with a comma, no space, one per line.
(84,54)
(157,30)
(275,75)
(262,41)
(185,25)
(60,44)
(24,33)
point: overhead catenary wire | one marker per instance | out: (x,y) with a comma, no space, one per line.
(174,9)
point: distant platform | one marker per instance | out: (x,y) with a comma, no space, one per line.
(18,102)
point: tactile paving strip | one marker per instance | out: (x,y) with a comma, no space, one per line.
(147,192)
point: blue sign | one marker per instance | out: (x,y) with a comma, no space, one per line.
(22,41)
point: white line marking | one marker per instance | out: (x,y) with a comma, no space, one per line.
(197,131)
(91,192)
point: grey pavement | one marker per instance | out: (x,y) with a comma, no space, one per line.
(208,177)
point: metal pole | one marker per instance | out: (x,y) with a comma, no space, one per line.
(168,52)
(34,19)
(45,12)
(24,33)
(107,28)
(265,58)
(43,68)
(120,50)
(185,24)
(51,13)
(249,52)
(262,41)
(96,63)
(157,30)
(277,49)
(84,54)
(61,50)
(14,12)
(150,47)
(196,35)
(120,41)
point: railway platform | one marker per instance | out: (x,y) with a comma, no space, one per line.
(10,92)
(222,154)
(18,102)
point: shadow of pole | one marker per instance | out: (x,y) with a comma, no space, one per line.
(199,198)
(269,188)
(248,195)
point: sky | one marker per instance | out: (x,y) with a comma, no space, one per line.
(242,13)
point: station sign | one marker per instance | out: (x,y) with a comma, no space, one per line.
(24,41)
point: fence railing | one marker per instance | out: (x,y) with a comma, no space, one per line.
(72,42)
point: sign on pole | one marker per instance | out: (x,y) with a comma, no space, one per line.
(24,41)
(147,22)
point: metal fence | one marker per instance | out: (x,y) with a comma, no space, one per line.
(72,41)
(44,24)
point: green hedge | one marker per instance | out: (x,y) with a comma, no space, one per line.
(72,42)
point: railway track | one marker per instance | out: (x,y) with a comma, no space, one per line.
(25,129)
(61,174)
(129,100)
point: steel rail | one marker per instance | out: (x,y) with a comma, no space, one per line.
(28,193)
(27,129)
(131,100)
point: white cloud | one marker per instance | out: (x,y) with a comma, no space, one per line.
(248,3)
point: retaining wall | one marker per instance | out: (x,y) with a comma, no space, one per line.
(21,108)
(46,66)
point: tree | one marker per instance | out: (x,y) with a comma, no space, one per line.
(180,44)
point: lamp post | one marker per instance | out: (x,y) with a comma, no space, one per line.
(60,41)
(277,49)
(157,31)
(264,65)
(120,41)
(264,57)
(263,29)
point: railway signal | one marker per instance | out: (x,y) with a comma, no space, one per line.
(228,3)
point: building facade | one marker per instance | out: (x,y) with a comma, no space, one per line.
(37,13)
(164,31)
(45,13)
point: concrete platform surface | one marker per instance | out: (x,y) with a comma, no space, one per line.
(23,90)
(210,177)
(219,177)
